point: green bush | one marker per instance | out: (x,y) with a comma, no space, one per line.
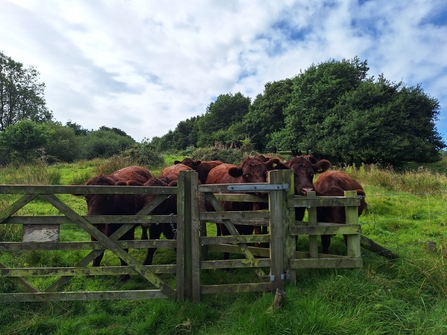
(232,156)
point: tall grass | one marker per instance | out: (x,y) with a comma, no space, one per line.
(37,174)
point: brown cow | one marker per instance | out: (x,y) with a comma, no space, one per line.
(168,175)
(304,168)
(250,170)
(116,204)
(334,183)
(202,167)
(167,207)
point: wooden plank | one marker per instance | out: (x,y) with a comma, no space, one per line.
(94,245)
(233,264)
(251,218)
(85,271)
(303,201)
(234,249)
(325,230)
(180,274)
(234,239)
(326,263)
(233,231)
(111,245)
(312,219)
(83,296)
(94,219)
(236,288)
(196,247)
(84,189)
(14,207)
(352,217)
(22,283)
(277,206)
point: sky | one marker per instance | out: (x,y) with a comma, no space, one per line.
(143,66)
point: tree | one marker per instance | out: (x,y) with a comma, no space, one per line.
(266,113)
(23,141)
(220,115)
(21,94)
(104,144)
(63,145)
(339,113)
(78,129)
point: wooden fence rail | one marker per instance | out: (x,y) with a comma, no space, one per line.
(274,266)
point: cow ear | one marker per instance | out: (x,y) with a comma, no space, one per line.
(322,166)
(274,163)
(176,162)
(235,172)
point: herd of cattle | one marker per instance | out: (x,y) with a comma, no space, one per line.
(250,170)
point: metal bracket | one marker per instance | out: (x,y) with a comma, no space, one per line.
(258,187)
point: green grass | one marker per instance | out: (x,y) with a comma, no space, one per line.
(406,296)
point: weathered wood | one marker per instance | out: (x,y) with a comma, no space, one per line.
(376,248)
(233,231)
(326,263)
(83,296)
(234,264)
(352,217)
(312,218)
(253,218)
(234,249)
(278,216)
(84,271)
(111,245)
(307,202)
(11,209)
(236,288)
(136,244)
(327,229)
(36,190)
(94,219)
(234,239)
(24,284)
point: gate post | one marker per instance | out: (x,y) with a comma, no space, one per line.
(188,245)
(352,217)
(282,246)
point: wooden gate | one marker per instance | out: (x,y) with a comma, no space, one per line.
(274,266)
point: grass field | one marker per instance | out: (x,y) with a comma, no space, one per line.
(407,214)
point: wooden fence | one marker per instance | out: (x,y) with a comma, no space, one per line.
(192,243)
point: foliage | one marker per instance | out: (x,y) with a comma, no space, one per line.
(141,154)
(63,145)
(266,113)
(21,94)
(338,112)
(228,109)
(104,143)
(23,142)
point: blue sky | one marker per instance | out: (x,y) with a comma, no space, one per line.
(144,66)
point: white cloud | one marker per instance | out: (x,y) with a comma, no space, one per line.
(144,66)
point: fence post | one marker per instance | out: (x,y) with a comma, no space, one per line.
(188,246)
(312,221)
(281,245)
(352,217)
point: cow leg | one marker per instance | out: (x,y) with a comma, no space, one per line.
(326,242)
(103,229)
(154,233)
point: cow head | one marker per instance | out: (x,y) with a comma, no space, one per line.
(254,169)
(304,171)
(188,162)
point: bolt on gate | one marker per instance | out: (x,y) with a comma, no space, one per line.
(274,266)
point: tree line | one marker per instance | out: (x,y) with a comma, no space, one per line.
(333,110)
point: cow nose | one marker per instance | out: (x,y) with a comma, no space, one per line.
(305,190)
